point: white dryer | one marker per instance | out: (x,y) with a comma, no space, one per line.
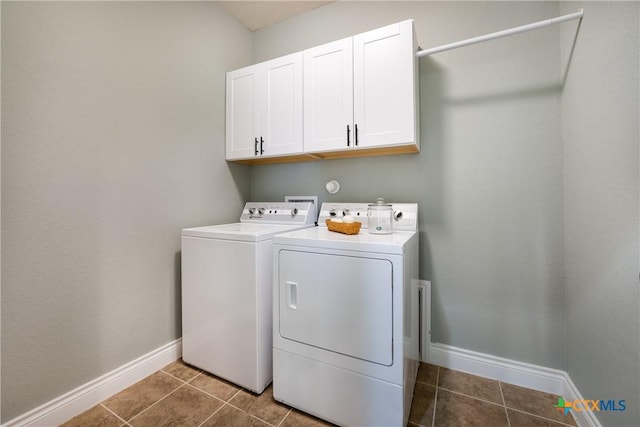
(227,291)
(345,335)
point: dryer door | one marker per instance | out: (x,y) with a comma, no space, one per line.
(338,303)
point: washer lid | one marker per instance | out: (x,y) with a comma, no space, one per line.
(321,237)
(240,231)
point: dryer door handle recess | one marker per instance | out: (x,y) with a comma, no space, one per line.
(292,295)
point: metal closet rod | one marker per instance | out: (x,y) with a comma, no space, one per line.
(503,33)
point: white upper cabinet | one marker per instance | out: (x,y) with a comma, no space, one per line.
(353,97)
(264,109)
(243,112)
(328,96)
(384,86)
(282,103)
(361,93)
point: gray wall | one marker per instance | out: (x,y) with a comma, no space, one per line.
(488,181)
(112,141)
(601,136)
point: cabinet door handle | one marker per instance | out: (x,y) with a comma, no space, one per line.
(348,136)
(261,144)
(255,146)
(356,130)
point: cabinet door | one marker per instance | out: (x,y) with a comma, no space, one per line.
(328,96)
(384,85)
(282,107)
(243,114)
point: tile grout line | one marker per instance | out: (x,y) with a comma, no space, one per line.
(560,423)
(180,379)
(186,384)
(235,394)
(435,399)
(285,417)
(254,416)
(507,408)
(228,403)
(224,403)
(214,412)
(114,414)
(155,403)
(260,419)
(504,403)
(213,395)
(471,397)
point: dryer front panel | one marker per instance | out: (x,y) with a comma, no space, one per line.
(342,304)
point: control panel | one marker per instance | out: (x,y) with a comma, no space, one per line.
(278,213)
(405,215)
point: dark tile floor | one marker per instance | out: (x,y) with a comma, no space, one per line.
(180,395)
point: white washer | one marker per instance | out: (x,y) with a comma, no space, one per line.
(226,292)
(345,335)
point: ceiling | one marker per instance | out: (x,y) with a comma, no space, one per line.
(257,14)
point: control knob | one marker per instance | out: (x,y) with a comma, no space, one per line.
(397,215)
(260,211)
(294,211)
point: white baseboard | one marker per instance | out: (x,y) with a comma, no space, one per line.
(86,396)
(512,372)
(506,370)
